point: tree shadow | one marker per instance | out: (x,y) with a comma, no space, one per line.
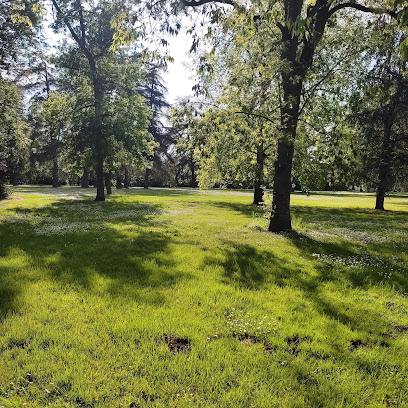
(248,210)
(77,243)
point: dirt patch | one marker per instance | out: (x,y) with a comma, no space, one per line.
(355,344)
(178,344)
(269,349)
(390,304)
(401,328)
(294,343)
(389,335)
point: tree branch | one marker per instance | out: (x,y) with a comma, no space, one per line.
(196,3)
(362,8)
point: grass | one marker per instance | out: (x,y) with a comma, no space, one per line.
(180,298)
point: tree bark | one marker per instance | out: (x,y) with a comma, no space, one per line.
(384,169)
(126,181)
(282,185)
(85,178)
(100,189)
(55,179)
(146,178)
(258,179)
(193,175)
(108,182)
(119,184)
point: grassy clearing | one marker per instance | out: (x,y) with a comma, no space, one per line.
(171,298)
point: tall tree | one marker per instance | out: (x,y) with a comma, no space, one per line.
(154,90)
(14,139)
(381,109)
(90,26)
(301,24)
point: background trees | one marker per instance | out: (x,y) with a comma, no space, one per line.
(380,108)
(13,135)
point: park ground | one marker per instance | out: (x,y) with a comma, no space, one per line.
(180,298)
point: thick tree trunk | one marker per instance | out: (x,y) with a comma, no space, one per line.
(126,181)
(258,178)
(108,182)
(55,179)
(379,199)
(146,178)
(119,184)
(100,189)
(15,179)
(85,178)
(282,185)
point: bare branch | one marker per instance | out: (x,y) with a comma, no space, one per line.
(196,3)
(360,7)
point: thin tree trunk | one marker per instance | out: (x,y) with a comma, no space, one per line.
(108,182)
(55,179)
(193,175)
(258,179)
(146,178)
(85,178)
(384,170)
(100,189)
(126,181)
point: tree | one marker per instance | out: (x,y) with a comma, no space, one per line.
(155,91)
(13,134)
(302,25)
(381,109)
(52,117)
(107,106)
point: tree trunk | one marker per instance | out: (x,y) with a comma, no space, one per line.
(282,185)
(55,179)
(108,182)
(119,184)
(146,178)
(298,55)
(126,181)
(258,179)
(384,169)
(193,175)
(15,179)
(100,190)
(85,178)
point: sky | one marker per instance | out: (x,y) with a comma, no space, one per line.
(179,78)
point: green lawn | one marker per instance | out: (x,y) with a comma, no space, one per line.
(180,298)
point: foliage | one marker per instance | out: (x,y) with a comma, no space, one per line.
(18,22)
(14,131)
(380,109)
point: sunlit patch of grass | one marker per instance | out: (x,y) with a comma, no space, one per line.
(91,293)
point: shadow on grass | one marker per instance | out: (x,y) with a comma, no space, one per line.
(342,261)
(112,247)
